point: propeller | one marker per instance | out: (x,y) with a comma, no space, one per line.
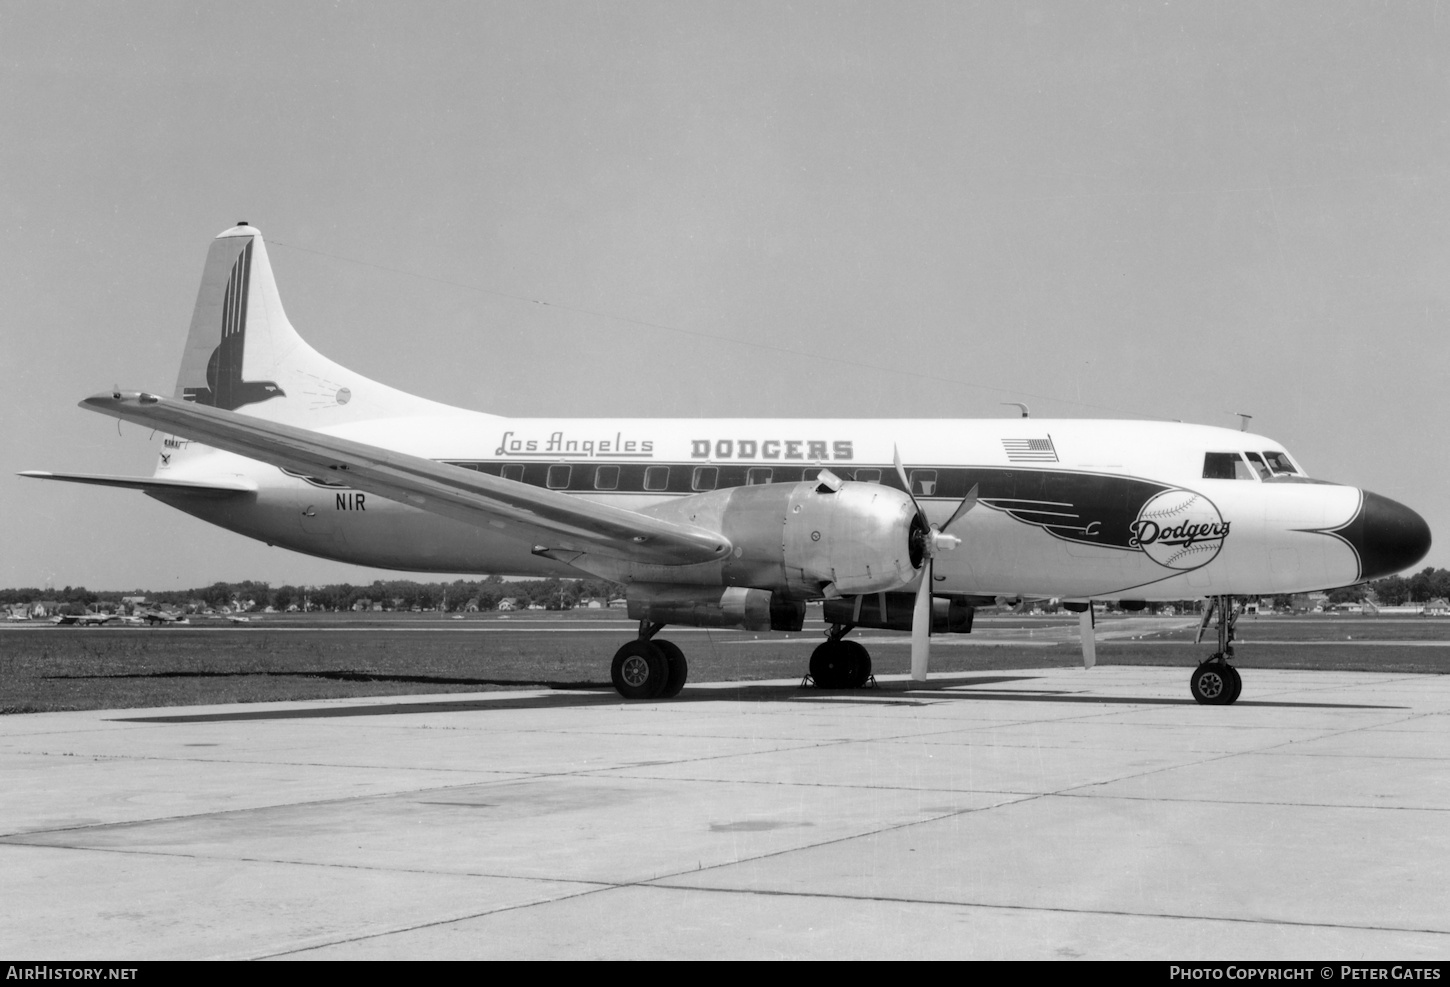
(925,543)
(1086,621)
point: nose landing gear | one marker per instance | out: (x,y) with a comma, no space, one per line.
(1216,682)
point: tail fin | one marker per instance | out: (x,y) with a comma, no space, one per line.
(213,367)
(242,353)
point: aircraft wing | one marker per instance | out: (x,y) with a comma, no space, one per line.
(220,487)
(550,519)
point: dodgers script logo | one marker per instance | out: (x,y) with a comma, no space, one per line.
(1179,529)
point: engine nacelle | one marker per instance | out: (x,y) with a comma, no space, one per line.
(733,606)
(896,612)
(804,540)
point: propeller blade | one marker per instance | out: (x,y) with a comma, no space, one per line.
(968,502)
(901,472)
(1086,621)
(921,627)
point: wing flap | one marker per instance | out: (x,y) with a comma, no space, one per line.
(556,519)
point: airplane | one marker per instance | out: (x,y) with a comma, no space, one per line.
(900,524)
(154,617)
(84,619)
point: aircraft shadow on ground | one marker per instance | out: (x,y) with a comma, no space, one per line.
(584,694)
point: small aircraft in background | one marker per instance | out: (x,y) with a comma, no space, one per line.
(154,617)
(84,619)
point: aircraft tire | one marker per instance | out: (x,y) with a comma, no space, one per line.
(679,669)
(640,670)
(1238,684)
(858,664)
(830,666)
(1211,685)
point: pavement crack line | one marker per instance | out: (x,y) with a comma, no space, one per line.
(1052,908)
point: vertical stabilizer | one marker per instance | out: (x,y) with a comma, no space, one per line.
(237,326)
(243,355)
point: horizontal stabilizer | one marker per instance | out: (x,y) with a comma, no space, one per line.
(149,482)
(549,518)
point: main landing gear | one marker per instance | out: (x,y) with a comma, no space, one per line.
(649,668)
(1216,682)
(653,668)
(838,663)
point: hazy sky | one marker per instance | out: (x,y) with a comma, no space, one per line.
(828,209)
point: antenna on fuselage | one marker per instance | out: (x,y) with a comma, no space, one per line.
(1019,404)
(1243,425)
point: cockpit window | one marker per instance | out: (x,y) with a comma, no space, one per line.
(1225,466)
(1258,464)
(1279,463)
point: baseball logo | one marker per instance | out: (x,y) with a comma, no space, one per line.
(1179,529)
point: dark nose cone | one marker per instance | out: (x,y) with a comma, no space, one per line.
(1387,535)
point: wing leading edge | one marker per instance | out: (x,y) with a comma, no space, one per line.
(549,518)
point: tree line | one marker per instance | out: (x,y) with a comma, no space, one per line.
(552,594)
(391,594)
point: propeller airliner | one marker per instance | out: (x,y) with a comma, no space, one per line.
(900,524)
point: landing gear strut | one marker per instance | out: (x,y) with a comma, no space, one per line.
(649,668)
(840,664)
(1216,682)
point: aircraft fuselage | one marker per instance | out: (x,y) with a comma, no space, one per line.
(1068,508)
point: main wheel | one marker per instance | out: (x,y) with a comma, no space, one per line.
(1211,685)
(1238,684)
(831,665)
(640,670)
(858,664)
(679,669)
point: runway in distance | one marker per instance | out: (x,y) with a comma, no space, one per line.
(902,524)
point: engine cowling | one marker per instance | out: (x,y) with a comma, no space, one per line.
(805,540)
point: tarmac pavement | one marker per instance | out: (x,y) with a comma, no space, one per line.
(1048,813)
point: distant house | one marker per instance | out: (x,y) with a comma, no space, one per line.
(507,605)
(1438,607)
(618,603)
(471,606)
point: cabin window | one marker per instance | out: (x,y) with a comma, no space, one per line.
(811,473)
(1279,463)
(705,478)
(868,476)
(513,471)
(923,483)
(1257,462)
(758,475)
(606,478)
(1225,466)
(558,478)
(657,478)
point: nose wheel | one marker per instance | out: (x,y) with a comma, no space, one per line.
(1215,683)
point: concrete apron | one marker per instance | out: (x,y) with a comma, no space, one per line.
(1022,814)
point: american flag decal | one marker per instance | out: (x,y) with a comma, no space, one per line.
(1030,450)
